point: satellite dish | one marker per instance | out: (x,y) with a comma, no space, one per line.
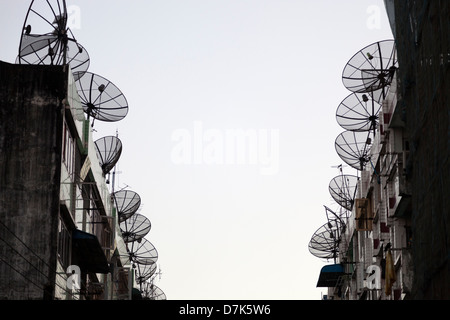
(46,39)
(144,272)
(358,112)
(152,292)
(372,68)
(343,190)
(135,228)
(101,99)
(142,252)
(44,18)
(108,151)
(337,218)
(44,50)
(127,202)
(324,243)
(353,148)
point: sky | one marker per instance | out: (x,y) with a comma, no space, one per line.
(229,221)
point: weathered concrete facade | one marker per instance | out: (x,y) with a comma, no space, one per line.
(31,115)
(422,30)
(57,215)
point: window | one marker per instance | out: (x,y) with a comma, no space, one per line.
(64,244)
(68,152)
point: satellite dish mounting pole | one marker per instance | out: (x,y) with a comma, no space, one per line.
(113,179)
(114,170)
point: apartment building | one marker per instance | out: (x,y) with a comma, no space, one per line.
(59,232)
(374,247)
(392,243)
(421,30)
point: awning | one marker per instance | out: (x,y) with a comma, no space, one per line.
(136,294)
(88,253)
(329,275)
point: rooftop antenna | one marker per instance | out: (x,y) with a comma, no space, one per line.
(101,99)
(371,69)
(353,148)
(339,167)
(46,39)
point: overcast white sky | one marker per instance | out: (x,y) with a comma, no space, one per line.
(199,69)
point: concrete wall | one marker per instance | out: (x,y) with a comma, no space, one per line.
(423,46)
(30,150)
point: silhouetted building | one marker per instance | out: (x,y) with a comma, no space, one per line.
(392,242)
(421,30)
(56,212)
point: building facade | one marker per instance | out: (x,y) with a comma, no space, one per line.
(375,244)
(59,232)
(393,242)
(421,31)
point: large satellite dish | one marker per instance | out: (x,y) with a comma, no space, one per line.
(343,190)
(101,99)
(142,252)
(127,203)
(372,68)
(323,243)
(108,151)
(47,40)
(151,292)
(135,228)
(44,50)
(144,272)
(353,148)
(358,112)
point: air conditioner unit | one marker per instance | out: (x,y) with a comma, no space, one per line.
(364,214)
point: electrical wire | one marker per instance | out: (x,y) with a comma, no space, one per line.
(29,262)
